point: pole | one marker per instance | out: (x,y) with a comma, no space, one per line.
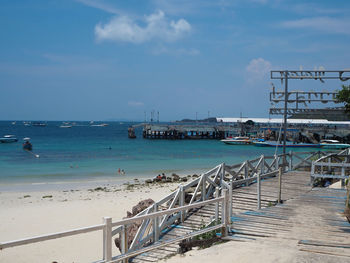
(280,171)
(285,116)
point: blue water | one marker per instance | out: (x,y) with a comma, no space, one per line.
(92,153)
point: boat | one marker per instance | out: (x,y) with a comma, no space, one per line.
(27,145)
(99,125)
(39,124)
(8,139)
(288,144)
(66,126)
(333,144)
(237,140)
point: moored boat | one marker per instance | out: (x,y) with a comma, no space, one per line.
(237,141)
(333,144)
(288,144)
(27,146)
(8,139)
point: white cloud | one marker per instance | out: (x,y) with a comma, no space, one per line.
(258,68)
(135,103)
(100,5)
(157,26)
(323,24)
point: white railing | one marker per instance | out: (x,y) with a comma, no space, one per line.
(331,166)
(108,225)
(214,186)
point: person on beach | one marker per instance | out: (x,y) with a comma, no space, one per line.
(163,176)
(118,170)
(123,172)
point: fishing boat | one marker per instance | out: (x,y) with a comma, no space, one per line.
(288,144)
(237,141)
(27,144)
(333,144)
(8,139)
(66,126)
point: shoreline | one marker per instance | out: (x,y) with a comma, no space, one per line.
(86,182)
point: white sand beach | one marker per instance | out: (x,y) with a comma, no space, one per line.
(28,214)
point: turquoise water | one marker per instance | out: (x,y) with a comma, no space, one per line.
(94,153)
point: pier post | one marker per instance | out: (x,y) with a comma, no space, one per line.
(124,242)
(290,161)
(280,171)
(155,224)
(203,186)
(224,213)
(246,172)
(182,203)
(312,174)
(107,238)
(230,200)
(262,167)
(216,206)
(258,198)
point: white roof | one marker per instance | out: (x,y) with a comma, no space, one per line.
(280,120)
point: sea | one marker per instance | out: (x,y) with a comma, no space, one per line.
(86,154)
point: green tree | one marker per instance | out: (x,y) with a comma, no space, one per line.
(343,96)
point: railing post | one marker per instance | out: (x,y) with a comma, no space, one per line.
(246,172)
(124,242)
(222,173)
(290,168)
(276,162)
(262,168)
(216,206)
(312,174)
(230,201)
(280,171)
(203,186)
(258,190)
(342,174)
(182,203)
(155,224)
(224,213)
(107,239)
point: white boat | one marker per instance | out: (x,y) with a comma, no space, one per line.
(8,139)
(237,140)
(333,144)
(66,126)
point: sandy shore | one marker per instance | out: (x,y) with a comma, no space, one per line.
(27,214)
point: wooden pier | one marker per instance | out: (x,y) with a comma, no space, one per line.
(310,219)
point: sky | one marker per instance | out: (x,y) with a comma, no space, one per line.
(114,59)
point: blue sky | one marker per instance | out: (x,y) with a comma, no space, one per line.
(102,59)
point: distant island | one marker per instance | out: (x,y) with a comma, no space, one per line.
(213,119)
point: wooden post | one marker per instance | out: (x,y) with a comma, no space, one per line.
(230,200)
(246,172)
(217,206)
(280,184)
(107,239)
(182,203)
(124,242)
(262,167)
(258,190)
(155,224)
(203,186)
(290,168)
(312,174)
(222,173)
(224,213)
(342,174)
(276,162)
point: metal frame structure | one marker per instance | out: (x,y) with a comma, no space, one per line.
(321,75)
